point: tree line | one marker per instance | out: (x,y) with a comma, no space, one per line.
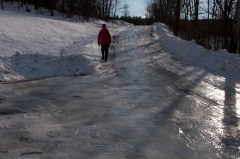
(213,24)
(101,9)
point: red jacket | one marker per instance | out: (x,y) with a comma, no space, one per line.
(104,37)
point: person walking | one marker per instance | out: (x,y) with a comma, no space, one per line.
(104,39)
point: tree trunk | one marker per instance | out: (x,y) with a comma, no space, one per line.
(109,9)
(162,10)
(18,4)
(52,8)
(103,9)
(63,7)
(236,30)
(177,16)
(208,26)
(115,8)
(196,6)
(225,19)
(195,9)
(36,4)
(2,3)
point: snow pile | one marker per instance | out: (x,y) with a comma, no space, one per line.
(36,46)
(41,66)
(191,53)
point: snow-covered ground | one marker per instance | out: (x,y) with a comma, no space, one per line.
(37,46)
(189,52)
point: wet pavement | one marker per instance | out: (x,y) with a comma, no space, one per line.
(134,108)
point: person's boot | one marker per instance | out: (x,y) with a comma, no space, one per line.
(103,55)
(106,56)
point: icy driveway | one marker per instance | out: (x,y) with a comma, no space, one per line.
(135,108)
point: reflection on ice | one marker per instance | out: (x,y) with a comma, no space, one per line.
(230,137)
(238,105)
(180,131)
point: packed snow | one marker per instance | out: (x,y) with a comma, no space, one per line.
(35,46)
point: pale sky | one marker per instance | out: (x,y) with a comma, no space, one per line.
(136,7)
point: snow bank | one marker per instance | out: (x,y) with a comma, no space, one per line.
(37,46)
(193,54)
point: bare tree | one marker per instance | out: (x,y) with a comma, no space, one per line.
(151,8)
(126,11)
(115,8)
(226,14)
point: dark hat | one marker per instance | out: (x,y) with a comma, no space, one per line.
(104,26)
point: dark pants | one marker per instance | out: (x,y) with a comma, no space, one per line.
(105,51)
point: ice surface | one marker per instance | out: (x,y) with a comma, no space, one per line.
(157,96)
